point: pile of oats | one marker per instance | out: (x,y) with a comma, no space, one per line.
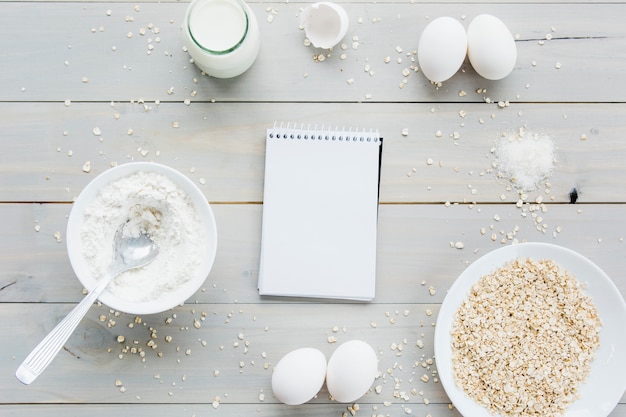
(524,339)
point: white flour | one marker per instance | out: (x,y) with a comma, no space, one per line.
(525,158)
(153,204)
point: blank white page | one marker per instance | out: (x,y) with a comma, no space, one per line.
(320,211)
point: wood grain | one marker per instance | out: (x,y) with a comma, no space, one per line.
(215,144)
(107,65)
(413,247)
(79,85)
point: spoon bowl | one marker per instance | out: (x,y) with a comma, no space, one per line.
(130,252)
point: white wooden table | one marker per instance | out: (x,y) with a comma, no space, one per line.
(69,67)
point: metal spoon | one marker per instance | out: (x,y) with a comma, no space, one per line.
(129,253)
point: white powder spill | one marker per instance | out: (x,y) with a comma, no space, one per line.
(525,158)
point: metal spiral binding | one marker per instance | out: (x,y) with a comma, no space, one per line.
(328,134)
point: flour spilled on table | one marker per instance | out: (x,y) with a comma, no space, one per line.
(152,204)
(525,158)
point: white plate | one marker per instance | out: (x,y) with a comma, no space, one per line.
(605,384)
(75,245)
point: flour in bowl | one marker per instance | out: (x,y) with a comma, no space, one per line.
(151,203)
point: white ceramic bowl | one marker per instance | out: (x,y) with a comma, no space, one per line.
(605,384)
(75,243)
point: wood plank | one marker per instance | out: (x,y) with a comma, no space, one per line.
(241,342)
(588,39)
(488,2)
(149,410)
(413,247)
(224,144)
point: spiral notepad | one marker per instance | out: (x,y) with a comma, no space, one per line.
(320,211)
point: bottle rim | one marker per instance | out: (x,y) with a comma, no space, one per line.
(195,4)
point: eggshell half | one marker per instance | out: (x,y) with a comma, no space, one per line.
(299,375)
(324,24)
(442,48)
(351,371)
(491,47)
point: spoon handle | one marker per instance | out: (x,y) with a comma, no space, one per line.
(47,349)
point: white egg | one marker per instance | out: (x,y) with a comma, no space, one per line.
(299,375)
(442,48)
(490,47)
(351,371)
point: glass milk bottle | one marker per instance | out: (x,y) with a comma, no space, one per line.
(222,36)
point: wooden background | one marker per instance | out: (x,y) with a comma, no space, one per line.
(70,67)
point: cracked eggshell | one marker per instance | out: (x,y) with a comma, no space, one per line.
(442,48)
(324,24)
(299,375)
(351,371)
(491,47)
